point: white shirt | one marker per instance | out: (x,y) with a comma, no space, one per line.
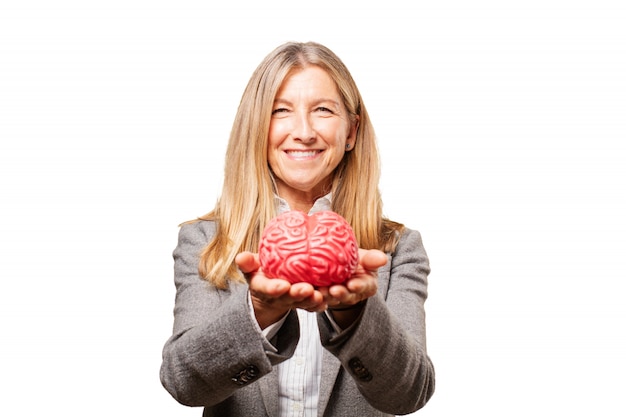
(299,377)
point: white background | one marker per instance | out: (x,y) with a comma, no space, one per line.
(502,132)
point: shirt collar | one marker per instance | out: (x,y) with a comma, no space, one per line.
(321,204)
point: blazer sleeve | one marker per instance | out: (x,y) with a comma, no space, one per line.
(385,350)
(216,347)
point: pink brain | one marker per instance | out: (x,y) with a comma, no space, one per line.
(320,249)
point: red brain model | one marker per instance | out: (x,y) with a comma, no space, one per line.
(320,249)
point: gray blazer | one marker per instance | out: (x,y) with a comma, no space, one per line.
(216,357)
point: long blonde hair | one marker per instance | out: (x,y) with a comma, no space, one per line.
(247,202)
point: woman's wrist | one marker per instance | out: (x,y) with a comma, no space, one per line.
(348,307)
(344,316)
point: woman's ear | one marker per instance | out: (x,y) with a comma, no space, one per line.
(351,139)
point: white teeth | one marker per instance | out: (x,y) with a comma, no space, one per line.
(302,154)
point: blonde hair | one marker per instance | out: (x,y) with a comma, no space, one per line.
(247,202)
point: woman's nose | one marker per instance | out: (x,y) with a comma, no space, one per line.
(303,129)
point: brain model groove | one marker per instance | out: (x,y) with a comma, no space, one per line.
(320,249)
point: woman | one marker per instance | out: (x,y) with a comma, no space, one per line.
(247,345)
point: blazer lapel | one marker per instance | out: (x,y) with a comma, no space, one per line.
(330,370)
(269,391)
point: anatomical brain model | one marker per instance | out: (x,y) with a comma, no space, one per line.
(320,249)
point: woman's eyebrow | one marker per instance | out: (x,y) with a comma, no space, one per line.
(282,101)
(326,100)
(279,100)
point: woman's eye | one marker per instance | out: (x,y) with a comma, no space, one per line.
(324,109)
(279,110)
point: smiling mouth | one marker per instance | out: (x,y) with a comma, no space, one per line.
(303,154)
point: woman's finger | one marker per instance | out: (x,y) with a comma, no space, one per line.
(372,259)
(247,262)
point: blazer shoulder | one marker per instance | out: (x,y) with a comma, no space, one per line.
(409,239)
(197,230)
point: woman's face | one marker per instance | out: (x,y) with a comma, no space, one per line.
(308,134)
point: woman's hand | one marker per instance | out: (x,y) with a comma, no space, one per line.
(361,285)
(344,301)
(272,298)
